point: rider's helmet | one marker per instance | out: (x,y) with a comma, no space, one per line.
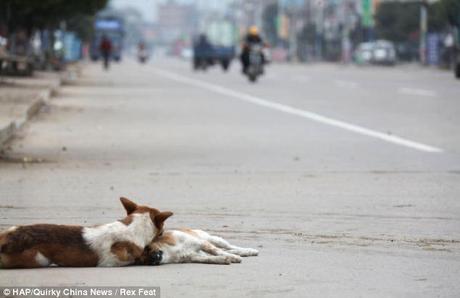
(253,30)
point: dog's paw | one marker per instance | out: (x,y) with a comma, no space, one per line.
(247,252)
(224,260)
(235,259)
(251,252)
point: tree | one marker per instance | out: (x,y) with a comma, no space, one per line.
(450,9)
(397,21)
(82,25)
(33,14)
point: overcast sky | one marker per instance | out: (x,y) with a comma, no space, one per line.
(148,7)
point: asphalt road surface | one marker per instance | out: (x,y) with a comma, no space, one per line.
(346,179)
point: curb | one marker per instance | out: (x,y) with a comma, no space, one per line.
(8,132)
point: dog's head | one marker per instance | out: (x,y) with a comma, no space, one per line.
(158,218)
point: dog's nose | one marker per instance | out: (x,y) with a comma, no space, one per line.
(155,258)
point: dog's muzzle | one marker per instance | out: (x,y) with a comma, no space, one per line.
(155,258)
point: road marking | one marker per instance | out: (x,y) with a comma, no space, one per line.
(346,84)
(298,112)
(417,92)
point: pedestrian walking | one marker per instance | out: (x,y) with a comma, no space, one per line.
(106,51)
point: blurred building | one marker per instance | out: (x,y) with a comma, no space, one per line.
(176,21)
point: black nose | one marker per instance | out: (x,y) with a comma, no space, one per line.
(155,258)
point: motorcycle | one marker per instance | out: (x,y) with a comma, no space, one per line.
(256,62)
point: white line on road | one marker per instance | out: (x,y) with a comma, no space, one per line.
(298,112)
(417,92)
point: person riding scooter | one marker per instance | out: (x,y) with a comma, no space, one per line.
(252,38)
(142,54)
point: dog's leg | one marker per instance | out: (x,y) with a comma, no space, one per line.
(215,251)
(224,244)
(30,258)
(243,251)
(206,259)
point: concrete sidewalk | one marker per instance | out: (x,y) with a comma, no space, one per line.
(21,98)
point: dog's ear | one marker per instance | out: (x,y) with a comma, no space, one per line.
(161,217)
(129,205)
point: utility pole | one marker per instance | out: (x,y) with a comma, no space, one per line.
(367,18)
(346,27)
(292,35)
(319,28)
(423,31)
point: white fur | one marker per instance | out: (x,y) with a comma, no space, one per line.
(201,247)
(12,229)
(42,260)
(101,238)
(225,245)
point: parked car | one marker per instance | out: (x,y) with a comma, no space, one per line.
(363,54)
(380,52)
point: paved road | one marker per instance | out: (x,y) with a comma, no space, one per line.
(347,179)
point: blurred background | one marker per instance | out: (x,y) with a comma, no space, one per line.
(52,32)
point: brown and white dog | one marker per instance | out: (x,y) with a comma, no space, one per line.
(119,243)
(195,246)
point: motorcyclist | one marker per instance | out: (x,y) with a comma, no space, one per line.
(252,38)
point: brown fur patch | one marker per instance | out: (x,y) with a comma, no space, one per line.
(166,239)
(126,251)
(26,237)
(158,218)
(209,248)
(25,259)
(127,220)
(66,256)
(62,245)
(189,231)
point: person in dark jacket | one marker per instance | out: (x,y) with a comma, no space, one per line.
(106,50)
(252,37)
(202,52)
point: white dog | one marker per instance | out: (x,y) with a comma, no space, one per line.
(194,246)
